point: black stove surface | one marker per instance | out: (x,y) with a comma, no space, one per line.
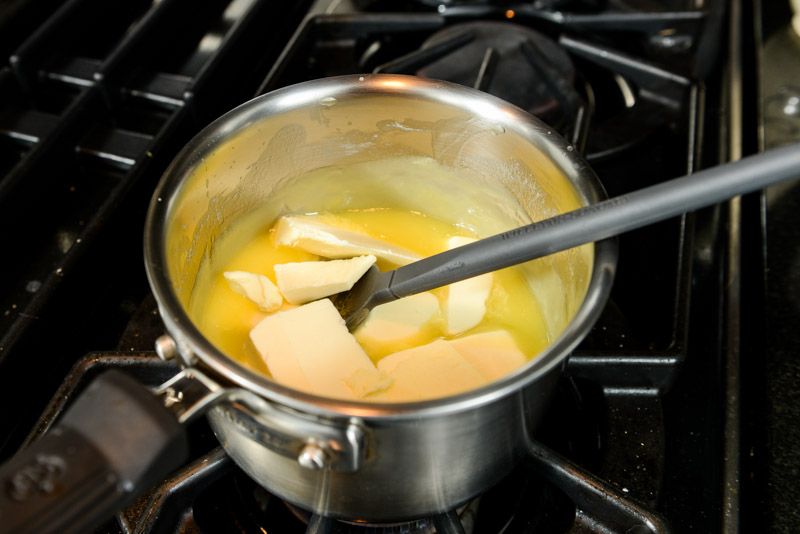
(634,439)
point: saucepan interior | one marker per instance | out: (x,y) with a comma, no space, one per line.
(254,163)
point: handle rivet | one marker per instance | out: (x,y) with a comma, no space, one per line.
(166,348)
(312,457)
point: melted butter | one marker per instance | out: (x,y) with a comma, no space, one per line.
(226,317)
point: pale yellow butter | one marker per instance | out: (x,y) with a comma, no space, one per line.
(465,305)
(398,323)
(331,242)
(494,354)
(301,282)
(256,287)
(309,348)
(427,372)
(366,381)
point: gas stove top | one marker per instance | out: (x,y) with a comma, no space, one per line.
(636,436)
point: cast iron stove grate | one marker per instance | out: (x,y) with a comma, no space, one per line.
(92,116)
(617,101)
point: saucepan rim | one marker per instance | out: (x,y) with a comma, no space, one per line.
(191,341)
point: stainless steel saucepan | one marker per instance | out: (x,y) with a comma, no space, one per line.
(379,462)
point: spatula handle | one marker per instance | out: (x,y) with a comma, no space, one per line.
(599,221)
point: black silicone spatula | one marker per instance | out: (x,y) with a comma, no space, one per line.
(592,223)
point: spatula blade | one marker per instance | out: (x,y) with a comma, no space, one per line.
(371,290)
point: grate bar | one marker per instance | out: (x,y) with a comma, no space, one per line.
(632,21)
(408,63)
(346,25)
(448,523)
(29,126)
(169,89)
(238,37)
(626,370)
(654,82)
(165,504)
(287,55)
(599,506)
(148,37)
(118,147)
(486,70)
(54,147)
(74,71)
(28,58)
(375,23)
(639,22)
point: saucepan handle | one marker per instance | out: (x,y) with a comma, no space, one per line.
(116,440)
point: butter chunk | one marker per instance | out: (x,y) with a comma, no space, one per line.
(331,242)
(465,305)
(398,323)
(427,372)
(256,287)
(309,348)
(311,280)
(367,381)
(494,354)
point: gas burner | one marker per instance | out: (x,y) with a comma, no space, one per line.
(522,502)
(465,517)
(599,99)
(603,100)
(512,62)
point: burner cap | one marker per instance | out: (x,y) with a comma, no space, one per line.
(511,62)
